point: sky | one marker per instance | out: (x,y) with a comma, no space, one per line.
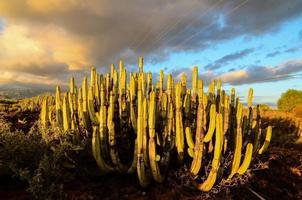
(245,43)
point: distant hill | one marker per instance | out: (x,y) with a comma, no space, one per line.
(4,97)
(21,93)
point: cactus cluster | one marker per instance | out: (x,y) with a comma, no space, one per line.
(140,126)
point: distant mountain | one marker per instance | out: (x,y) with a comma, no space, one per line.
(21,93)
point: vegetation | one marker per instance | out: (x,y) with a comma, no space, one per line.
(180,137)
(298,111)
(264,107)
(20,93)
(289,100)
(43,164)
(160,126)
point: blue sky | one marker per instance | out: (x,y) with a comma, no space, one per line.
(269,49)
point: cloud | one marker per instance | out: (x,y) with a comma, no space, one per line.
(273,54)
(252,74)
(63,38)
(260,74)
(17,79)
(292,50)
(2,25)
(228,58)
(278,52)
(40,55)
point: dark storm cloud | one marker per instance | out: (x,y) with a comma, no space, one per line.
(228,58)
(116,29)
(130,28)
(47,69)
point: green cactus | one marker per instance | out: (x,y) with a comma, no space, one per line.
(199,135)
(59,114)
(152,122)
(44,113)
(66,113)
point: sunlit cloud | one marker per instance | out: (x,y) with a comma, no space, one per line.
(25,49)
(48,40)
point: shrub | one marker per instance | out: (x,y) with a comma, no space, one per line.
(289,100)
(45,165)
(264,107)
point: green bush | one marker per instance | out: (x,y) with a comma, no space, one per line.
(264,107)
(289,100)
(45,165)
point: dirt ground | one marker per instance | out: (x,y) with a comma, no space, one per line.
(279,177)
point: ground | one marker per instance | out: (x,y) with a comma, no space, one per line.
(277,175)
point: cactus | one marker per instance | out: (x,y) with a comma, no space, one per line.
(150,122)
(44,113)
(157,176)
(66,113)
(179,125)
(59,114)
(199,136)
(143,177)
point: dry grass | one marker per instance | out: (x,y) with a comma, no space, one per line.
(298,111)
(287,126)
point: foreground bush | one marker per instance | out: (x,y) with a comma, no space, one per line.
(43,164)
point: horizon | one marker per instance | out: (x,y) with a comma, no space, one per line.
(244,43)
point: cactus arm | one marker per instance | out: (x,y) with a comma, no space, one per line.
(198,147)
(179,125)
(97,153)
(211,129)
(157,176)
(190,142)
(247,159)
(133,165)
(145,135)
(112,137)
(189,137)
(103,133)
(238,143)
(59,114)
(66,116)
(199,136)
(92,113)
(141,165)
(195,79)
(267,141)
(211,179)
(86,118)
(140,64)
(44,113)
